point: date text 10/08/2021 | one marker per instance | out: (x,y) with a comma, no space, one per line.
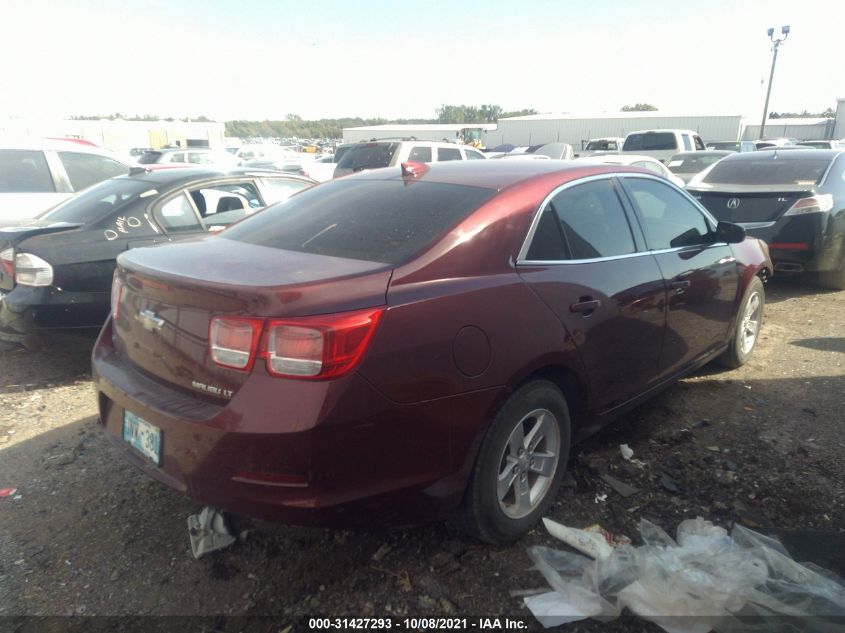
(418,624)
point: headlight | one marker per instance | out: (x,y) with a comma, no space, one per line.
(31,270)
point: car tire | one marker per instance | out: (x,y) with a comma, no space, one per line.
(520,464)
(747,329)
(834,279)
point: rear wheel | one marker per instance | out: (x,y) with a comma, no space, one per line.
(744,338)
(520,464)
(834,279)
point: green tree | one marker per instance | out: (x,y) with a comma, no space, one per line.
(639,107)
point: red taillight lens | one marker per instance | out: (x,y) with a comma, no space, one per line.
(820,203)
(234,341)
(319,347)
(7,262)
(116,296)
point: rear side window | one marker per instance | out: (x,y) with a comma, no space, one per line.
(590,223)
(648,141)
(178,215)
(687,143)
(367,156)
(84,170)
(767,170)
(473,155)
(422,154)
(24,171)
(448,153)
(278,189)
(373,220)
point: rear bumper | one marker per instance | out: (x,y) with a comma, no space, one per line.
(26,311)
(812,242)
(365,461)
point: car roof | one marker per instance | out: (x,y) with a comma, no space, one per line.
(618,159)
(496,174)
(170,150)
(55,144)
(184,175)
(779,154)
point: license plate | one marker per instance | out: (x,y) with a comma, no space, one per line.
(142,436)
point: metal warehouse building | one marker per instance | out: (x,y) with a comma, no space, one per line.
(118,134)
(422,132)
(569,128)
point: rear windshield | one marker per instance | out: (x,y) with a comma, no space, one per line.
(650,141)
(98,201)
(367,156)
(148,158)
(691,164)
(769,171)
(381,221)
(601,146)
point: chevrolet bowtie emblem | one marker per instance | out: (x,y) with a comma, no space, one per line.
(150,321)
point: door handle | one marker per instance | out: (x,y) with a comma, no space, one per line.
(586,306)
(679,286)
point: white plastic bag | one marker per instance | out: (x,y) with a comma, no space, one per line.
(693,585)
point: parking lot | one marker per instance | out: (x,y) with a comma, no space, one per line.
(87,534)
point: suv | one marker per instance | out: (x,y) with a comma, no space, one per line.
(389,153)
(662,144)
(35,176)
(190,156)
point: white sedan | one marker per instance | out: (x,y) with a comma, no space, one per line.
(635,160)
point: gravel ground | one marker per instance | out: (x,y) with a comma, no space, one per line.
(86,534)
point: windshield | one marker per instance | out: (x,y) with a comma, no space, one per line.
(148,158)
(97,202)
(372,220)
(367,156)
(650,141)
(769,171)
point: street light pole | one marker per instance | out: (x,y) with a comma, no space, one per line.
(776,42)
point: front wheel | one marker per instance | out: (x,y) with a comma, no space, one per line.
(520,464)
(747,330)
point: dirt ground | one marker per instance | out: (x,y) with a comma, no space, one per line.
(86,534)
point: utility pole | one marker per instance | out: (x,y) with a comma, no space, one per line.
(776,42)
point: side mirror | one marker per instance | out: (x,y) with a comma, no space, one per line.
(730,233)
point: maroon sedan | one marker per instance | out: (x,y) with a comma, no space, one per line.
(403,345)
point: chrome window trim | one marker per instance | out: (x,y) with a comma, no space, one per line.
(522,258)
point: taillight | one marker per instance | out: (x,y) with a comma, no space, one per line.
(7,262)
(319,347)
(116,296)
(821,203)
(234,341)
(31,270)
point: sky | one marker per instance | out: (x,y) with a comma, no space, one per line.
(263,59)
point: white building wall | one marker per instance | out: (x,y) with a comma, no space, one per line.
(534,130)
(117,134)
(802,129)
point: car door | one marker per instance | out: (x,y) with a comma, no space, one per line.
(586,260)
(701,275)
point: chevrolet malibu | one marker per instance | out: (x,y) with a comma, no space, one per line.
(418,343)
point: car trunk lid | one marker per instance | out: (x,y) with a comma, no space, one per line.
(171,294)
(13,235)
(750,205)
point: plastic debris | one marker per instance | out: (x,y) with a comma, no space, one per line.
(601,498)
(727,583)
(614,540)
(619,486)
(589,542)
(7,492)
(208,532)
(626,451)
